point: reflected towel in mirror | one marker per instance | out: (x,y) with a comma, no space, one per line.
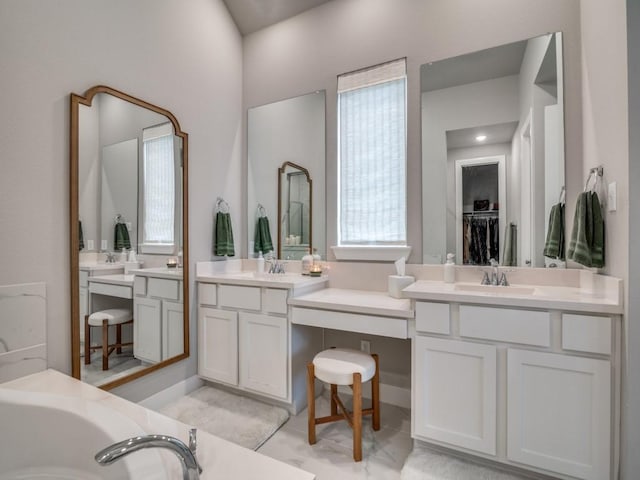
(81,236)
(223,242)
(263,242)
(121,237)
(554,245)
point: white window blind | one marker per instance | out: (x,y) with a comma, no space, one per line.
(159,186)
(372,155)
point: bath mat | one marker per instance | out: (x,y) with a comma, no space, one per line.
(426,464)
(240,420)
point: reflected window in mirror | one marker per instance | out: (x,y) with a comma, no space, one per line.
(159,192)
(372,156)
(507,103)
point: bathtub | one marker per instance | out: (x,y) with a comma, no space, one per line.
(47,436)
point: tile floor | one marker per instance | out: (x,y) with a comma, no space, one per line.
(384,452)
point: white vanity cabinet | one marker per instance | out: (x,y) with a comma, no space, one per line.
(158,315)
(246,340)
(536,389)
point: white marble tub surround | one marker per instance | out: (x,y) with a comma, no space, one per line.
(218,458)
(23,330)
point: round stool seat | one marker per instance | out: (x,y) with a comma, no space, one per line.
(114,316)
(337,366)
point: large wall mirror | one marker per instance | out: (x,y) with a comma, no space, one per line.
(286,153)
(493,153)
(129,238)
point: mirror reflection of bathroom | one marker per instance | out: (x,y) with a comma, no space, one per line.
(480,189)
(295,221)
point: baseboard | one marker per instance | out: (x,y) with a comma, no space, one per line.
(398,396)
(174,392)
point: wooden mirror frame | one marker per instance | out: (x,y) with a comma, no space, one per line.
(76,101)
(281,171)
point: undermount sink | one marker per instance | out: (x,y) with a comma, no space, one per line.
(494,289)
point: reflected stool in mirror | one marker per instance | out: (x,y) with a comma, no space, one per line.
(106,319)
(341,366)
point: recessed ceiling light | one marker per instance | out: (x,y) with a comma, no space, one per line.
(481,138)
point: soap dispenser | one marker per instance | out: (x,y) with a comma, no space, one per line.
(123,256)
(260,264)
(449,269)
(307,261)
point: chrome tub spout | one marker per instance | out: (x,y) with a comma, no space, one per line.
(190,468)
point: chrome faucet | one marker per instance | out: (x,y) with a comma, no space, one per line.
(274,265)
(191,470)
(496,278)
(111,258)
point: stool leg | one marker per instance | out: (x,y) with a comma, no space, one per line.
(87,341)
(105,344)
(375,395)
(311,404)
(357,417)
(119,338)
(334,405)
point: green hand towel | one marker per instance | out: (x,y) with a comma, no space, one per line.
(223,244)
(121,237)
(554,245)
(587,237)
(263,242)
(81,235)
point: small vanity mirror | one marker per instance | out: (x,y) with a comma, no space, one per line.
(128,191)
(493,149)
(294,211)
(286,150)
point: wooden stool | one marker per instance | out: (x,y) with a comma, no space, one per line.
(106,319)
(342,366)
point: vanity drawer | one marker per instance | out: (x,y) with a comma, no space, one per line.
(433,318)
(351,322)
(163,288)
(274,300)
(527,327)
(586,333)
(207,294)
(111,290)
(239,297)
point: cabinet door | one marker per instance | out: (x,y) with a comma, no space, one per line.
(83,299)
(218,345)
(559,413)
(172,329)
(455,393)
(147,330)
(263,354)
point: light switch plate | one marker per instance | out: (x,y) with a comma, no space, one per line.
(612,197)
(90,245)
(103,245)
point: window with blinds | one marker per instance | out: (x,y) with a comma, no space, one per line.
(372,155)
(158,198)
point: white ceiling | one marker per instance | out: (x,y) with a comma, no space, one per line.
(253,15)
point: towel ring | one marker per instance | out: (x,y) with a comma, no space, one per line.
(595,172)
(562,196)
(118,219)
(221,205)
(261,211)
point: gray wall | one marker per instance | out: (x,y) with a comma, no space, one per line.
(307,52)
(50,49)
(631,423)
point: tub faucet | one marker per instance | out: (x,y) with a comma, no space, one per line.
(191,470)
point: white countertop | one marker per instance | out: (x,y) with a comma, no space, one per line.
(218,458)
(116,279)
(355,301)
(92,266)
(159,272)
(542,296)
(275,280)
